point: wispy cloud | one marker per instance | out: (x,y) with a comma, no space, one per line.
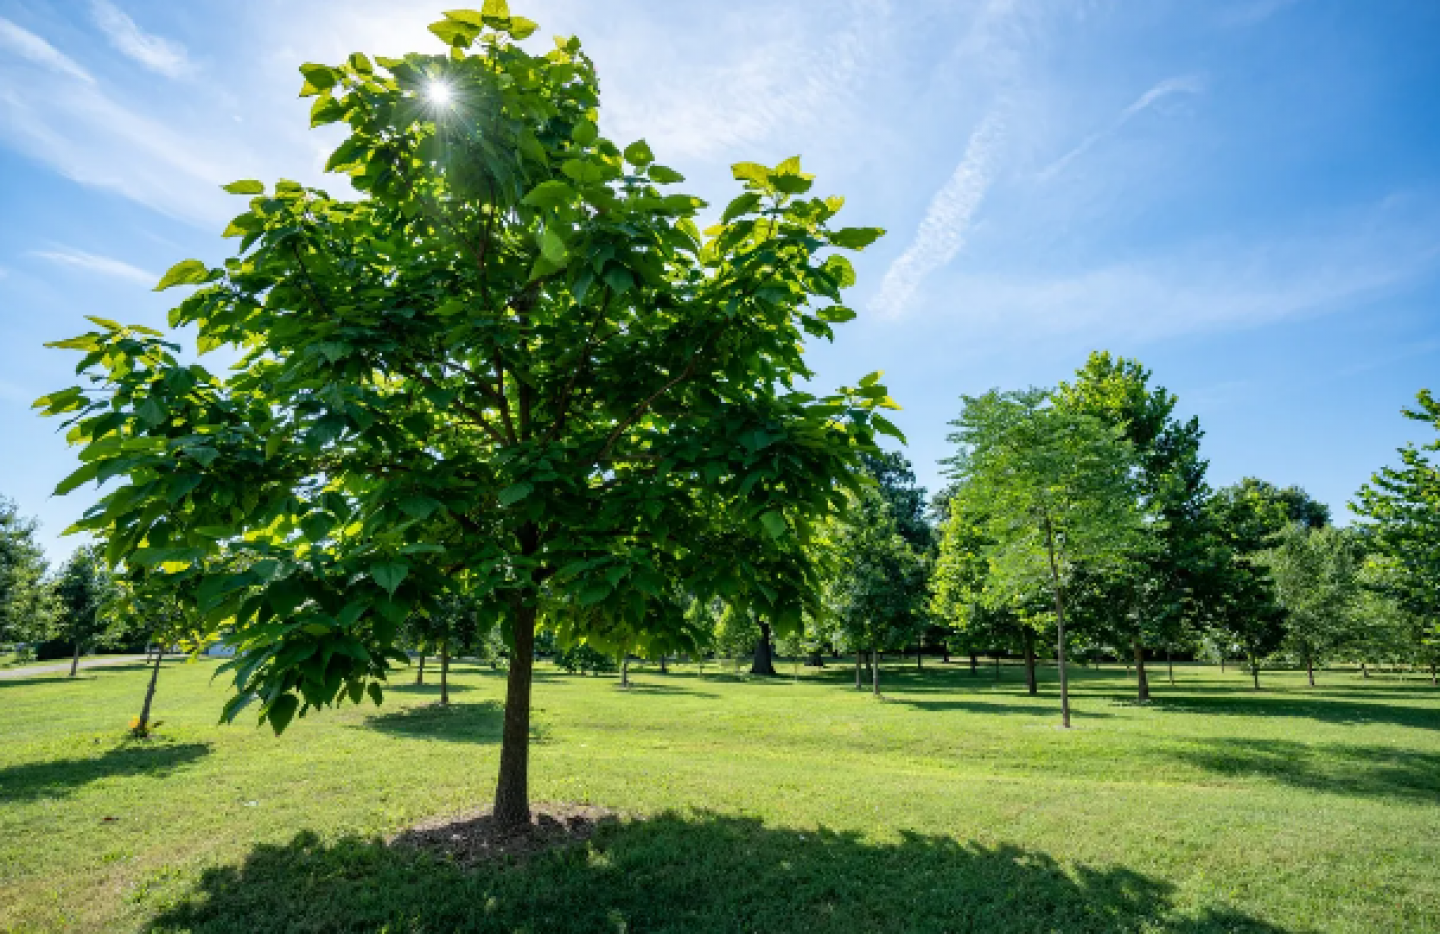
(94,263)
(942,232)
(1183,84)
(154,52)
(32,48)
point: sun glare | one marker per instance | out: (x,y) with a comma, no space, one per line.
(439,93)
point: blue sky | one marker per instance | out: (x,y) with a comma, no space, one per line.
(1244,195)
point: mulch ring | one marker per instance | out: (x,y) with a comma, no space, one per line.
(474,837)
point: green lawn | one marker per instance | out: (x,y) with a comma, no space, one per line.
(954,805)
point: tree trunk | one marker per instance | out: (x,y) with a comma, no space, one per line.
(143,726)
(1030,683)
(663,670)
(763,663)
(919,658)
(512,791)
(974,663)
(1141,678)
(1433,681)
(875,672)
(1222,663)
(445,675)
(75,661)
(420,672)
(624,669)
(1170,664)
(944,653)
(1255,671)
(1059,626)
(817,659)
(1310,670)
(858,684)
(997,667)
(1364,672)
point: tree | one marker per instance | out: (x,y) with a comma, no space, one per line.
(26,604)
(1402,508)
(455,625)
(1058,488)
(513,360)
(166,615)
(1317,583)
(84,589)
(1149,600)
(1239,597)
(877,592)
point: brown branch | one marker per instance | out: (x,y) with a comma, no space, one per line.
(642,408)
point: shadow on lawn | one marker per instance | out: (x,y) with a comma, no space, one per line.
(677,873)
(1312,707)
(428,689)
(1374,771)
(457,723)
(57,777)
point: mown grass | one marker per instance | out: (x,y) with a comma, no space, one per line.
(955,804)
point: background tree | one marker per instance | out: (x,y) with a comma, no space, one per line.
(1402,508)
(164,615)
(26,604)
(84,590)
(1058,490)
(513,358)
(1317,584)
(1240,601)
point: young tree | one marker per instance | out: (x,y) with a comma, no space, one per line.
(1058,488)
(514,359)
(166,615)
(1317,583)
(1148,601)
(84,590)
(26,600)
(1239,594)
(1402,508)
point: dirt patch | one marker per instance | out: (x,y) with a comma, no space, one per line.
(475,837)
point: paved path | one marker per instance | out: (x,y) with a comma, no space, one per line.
(98,661)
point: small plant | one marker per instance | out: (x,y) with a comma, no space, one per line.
(139,729)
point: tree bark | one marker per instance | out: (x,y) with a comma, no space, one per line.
(143,727)
(1059,626)
(974,663)
(1364,672)
(512,790)
(75,661)
(1310,669)
(944,653)
(445,675)
(1222,663)
(997,667)
(919,657)
(663,670)
(859,686)
(624,669)
(1031,684)
(763,663)
(1255,671)
(1433,681)
(420,672)
(1142,680)
(875,672)
(1170,664)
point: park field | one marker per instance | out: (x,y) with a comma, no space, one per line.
(790,804)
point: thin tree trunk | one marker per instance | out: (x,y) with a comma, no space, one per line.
(997,667)
(1255,671)
(512,790)
(1364,672)
(763,663)
(420,672)
(875,672)
(663,670)
(919,657)
(858,685)
(944,653)
(1142,680)
(445,675)
(1170,663)
(143,726)
(75,661)
(974,663)
(1059,626)
(624,669)
(1030,683)
(1222,663)
(1433,681)
(1310,669)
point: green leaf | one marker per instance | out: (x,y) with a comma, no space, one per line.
(835,313)
(752,172)
(549,194)
(515,493)
(774,523)
(887,427)
(361,64)
(661,175)
(499,9)
(455,33)
(522,28)
(871,379)
(638,153)
(246,186)
(185,272)
(619,279)
(585,133)
(592,594)
(151,413)
(326,110)
(552,247)
(856,238)
(742,205)
(318,79)
(377,693)
(281,711)
(317,525)
(389,574)
(86,472)
(419,507)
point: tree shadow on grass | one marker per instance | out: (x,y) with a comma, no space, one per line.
(20,681)
(675,873)
(981,705)
(428,689)
(1261,704)
(649,687)
(457,723)
(56,777)
(1339,768)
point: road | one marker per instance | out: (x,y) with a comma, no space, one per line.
(64,667)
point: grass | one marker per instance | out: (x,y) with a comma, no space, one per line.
(953,805)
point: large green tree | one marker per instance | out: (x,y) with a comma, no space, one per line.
(1317,582)
(84,593)
(1058,489)
(512,359)
(1241,608)
(1402,507)
(25,598)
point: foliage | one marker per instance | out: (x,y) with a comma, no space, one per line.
(513,365)
(1241,604)
(26,604)
(1317,584)
(84,595)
